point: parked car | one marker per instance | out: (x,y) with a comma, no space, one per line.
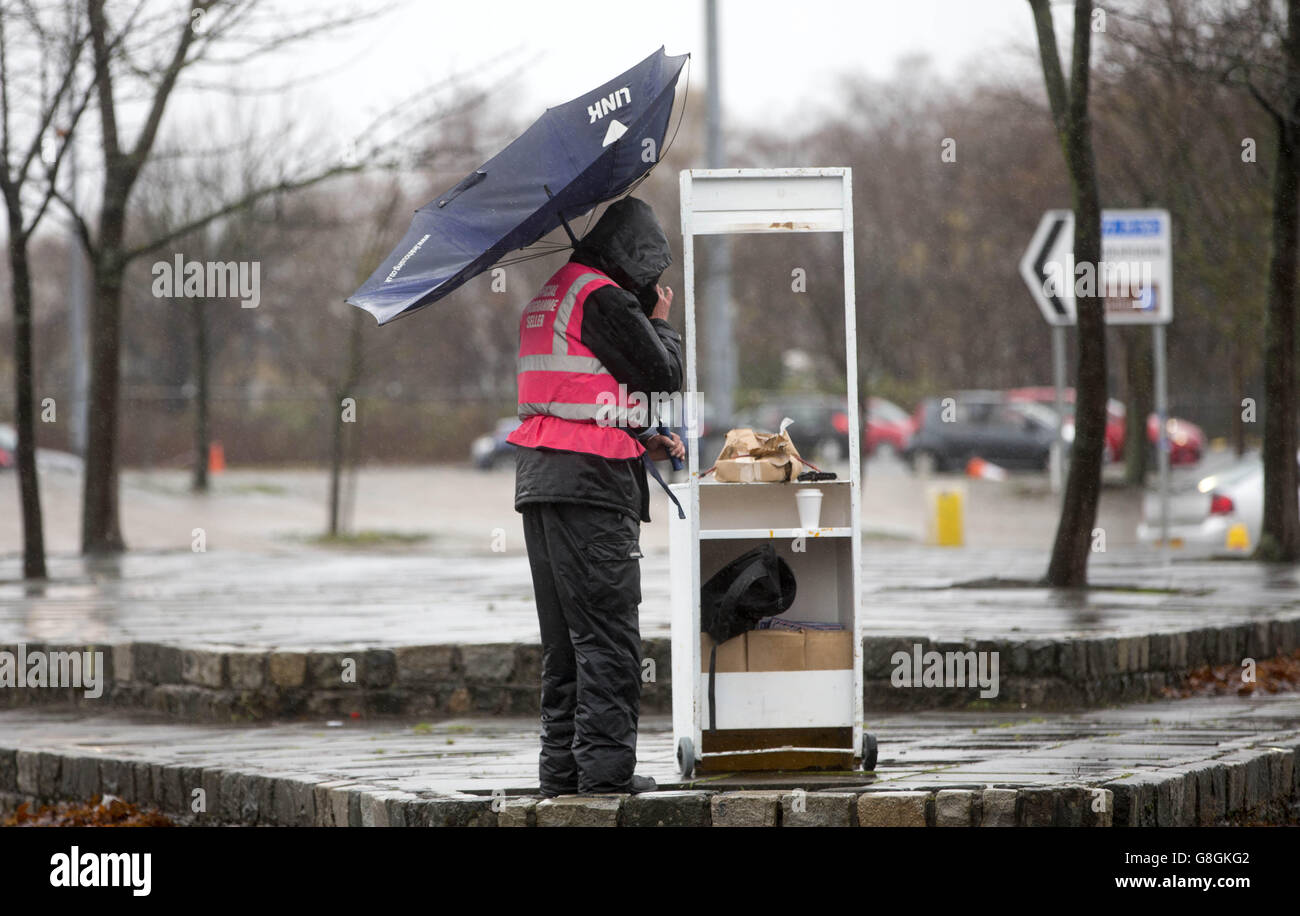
(1186,439)
(889,428)
(980,424)
(489,450)
(821,423)
(48,460)
(1204,511)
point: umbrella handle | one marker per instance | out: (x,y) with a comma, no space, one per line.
(677,462)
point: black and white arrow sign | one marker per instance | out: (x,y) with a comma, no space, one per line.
(1052,244)
(1134,278)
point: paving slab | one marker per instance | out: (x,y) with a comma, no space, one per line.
(388,774)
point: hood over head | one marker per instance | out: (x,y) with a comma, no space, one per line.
(628,244)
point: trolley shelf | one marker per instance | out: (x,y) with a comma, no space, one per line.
(773,533)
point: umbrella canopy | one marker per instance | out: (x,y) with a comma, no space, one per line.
(572,158)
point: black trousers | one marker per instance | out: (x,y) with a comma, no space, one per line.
(587,581)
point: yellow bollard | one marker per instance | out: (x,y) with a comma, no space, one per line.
(1238,538)
(946,516)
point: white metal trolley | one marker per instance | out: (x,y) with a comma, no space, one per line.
(768,719)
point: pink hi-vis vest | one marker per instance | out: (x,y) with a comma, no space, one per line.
(567,399)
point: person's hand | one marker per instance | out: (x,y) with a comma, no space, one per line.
(660,447)
(664,303)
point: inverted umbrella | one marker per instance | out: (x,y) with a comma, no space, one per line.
(575,156)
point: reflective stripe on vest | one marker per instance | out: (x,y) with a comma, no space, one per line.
(567,398)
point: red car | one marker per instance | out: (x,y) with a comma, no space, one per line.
(888,426)
(8,446)
(1186,439)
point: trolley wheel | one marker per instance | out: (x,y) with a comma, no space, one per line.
(686,757)
(869,751)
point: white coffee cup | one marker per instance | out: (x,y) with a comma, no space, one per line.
(809,502)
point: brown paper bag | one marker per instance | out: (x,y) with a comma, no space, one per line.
(757,457)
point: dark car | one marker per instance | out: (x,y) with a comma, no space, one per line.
(952,431)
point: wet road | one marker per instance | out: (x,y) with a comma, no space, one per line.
(259,582)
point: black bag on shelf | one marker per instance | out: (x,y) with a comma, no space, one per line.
(756,584)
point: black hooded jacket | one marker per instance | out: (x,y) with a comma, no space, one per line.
(628,245)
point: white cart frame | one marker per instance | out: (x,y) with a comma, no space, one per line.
(786,704)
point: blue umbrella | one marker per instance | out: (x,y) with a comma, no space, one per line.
(575,156)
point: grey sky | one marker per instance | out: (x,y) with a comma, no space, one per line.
(778,56)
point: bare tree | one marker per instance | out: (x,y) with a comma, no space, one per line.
(174,190)
(347,381)
(1069,563)
(188,36)
(1170,109)
(33,138)
(1255,48)
(1280,534)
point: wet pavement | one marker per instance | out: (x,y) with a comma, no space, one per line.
(322,598)
(920,750)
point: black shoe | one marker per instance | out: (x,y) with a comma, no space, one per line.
(555,793)
(641,784)
(638,785)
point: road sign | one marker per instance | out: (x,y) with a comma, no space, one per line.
(1052,243)
(1136,281)
(1135,276)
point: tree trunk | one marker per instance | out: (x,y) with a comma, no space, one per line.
(1138,405)
(1280,535)
(336,463)
(347,389)
(198,312)
(1239,395)
(24,407)
(1068,566)
(100,529)
(1279,538)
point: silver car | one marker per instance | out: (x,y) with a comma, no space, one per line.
(1221,513)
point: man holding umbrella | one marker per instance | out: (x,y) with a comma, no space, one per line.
(597,323)
(597,330)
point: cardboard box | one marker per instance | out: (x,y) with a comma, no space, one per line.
(827,650)
(731,654)
(781,650)
(775,650)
